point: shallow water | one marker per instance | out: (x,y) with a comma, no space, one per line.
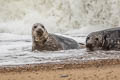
(16,50)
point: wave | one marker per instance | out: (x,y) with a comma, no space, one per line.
(58,16)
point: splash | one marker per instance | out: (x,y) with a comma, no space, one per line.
(61,16)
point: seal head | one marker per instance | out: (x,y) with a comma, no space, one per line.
(39,36)
(108,39)
(94,41)
(39,33)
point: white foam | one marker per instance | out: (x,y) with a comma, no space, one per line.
(58,16)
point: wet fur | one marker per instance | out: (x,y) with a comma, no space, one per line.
(109,40)
(52,42)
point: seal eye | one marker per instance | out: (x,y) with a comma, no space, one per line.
(35,26)
(42,26)
(88,38)
(96,39)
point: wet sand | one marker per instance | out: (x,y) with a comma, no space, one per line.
(86,70)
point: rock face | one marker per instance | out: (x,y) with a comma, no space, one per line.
(42,40)
(108,39)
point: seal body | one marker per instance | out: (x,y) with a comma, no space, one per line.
(42,40)
(108,39)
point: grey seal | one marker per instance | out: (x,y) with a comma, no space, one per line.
(108,39)
(42,40)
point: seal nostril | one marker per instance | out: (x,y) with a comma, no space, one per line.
(39,32)
(89,45)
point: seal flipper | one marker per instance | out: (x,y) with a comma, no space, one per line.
(82,45)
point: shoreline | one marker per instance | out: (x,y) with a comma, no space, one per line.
(59,66)
(108,69)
